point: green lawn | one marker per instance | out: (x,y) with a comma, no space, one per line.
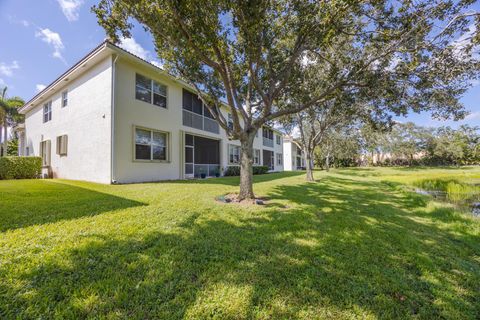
(354,244)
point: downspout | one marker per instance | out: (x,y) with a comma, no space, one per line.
(112,125)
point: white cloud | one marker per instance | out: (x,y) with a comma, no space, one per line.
(2,82)
(70,8)
(7,69)
(53,39)
(25,23)
(473,116)
(40,87)
(132,46)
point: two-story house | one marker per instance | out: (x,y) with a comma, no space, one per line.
(115,118)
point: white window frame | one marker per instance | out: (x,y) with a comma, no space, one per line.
(167,145)
(152,92)
(230,121)
(62,145)
(45,152)
(47,111)
(236,152)
(278,139)
(64,98)
(279,159)
(256,158)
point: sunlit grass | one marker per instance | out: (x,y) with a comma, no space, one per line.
(354,244)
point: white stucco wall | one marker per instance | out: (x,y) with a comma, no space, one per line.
(130,112)
(86,121)
(287,155)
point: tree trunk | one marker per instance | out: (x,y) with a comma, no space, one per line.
(246,168)
(5,137)
(1,131)
(308,164)
(327,161)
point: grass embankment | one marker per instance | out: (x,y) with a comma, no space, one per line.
(354,244)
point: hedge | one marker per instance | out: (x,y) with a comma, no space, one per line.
(235,170)
(20,167)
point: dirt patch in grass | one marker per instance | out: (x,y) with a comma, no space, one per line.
(233,198)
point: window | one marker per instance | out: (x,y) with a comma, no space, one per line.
(62,145)
(279,159)
(45,152)
(47,111)
(279,139)
(64,99)
(256,156)
(267,133)
(233,154)
(150,91)
(230,121)
(150,145)
(196,115)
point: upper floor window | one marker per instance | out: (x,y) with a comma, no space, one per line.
(150,91)
(267,137)
(279,139)
(151,145)
(267,133)
(196,115)
(230,121)
(64,98)
(47,111)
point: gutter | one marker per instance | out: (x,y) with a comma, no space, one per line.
(112,124)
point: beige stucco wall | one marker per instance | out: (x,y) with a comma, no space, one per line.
(130,112)
(86,121)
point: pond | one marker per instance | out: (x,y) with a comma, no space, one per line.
(464,195)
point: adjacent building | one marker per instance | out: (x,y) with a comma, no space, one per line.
(293,156)
(115,118)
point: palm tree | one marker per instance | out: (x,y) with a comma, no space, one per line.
(9,115)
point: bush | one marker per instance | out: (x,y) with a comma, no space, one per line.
(235,170)
(20,167)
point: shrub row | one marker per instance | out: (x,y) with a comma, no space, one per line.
(235,170)
(20,167)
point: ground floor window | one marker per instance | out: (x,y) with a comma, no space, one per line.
(202,156)
(62,145)
(279,159)
(151,145)
(233,154)
(256,156)
(268,159)
(45,152)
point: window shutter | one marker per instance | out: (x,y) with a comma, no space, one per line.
(64,145)
(59,144)
(48,149)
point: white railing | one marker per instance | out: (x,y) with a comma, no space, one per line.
(268,142)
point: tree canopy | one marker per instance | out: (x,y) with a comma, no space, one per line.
(393,57)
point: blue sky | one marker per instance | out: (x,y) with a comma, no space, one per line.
(42,38)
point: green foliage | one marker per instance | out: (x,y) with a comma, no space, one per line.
(455,190)
(348,246)
(20,167)
(12,147)
(235,170)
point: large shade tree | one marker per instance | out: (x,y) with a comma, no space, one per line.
(250,53)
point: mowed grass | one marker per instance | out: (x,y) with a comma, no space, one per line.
(354,244)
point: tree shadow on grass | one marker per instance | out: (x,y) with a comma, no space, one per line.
(47,201)
(235,181)
(339,253)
